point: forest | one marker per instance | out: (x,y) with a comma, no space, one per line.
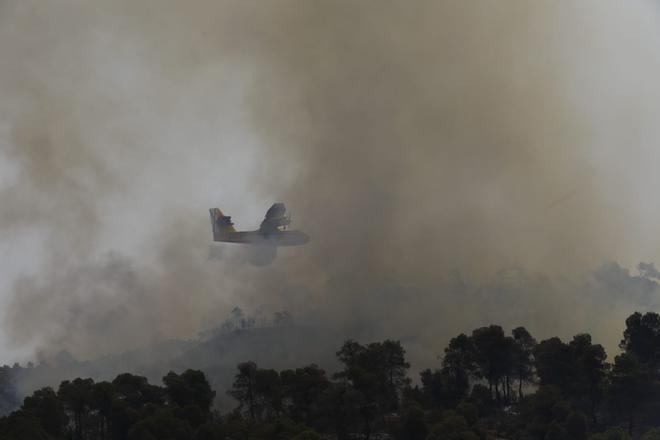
(488,384)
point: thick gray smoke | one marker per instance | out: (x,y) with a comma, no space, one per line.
(456,164)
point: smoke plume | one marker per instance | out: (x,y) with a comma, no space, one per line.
(455,163)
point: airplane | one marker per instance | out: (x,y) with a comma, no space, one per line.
(272,232)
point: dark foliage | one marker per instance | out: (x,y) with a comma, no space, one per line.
(488,385)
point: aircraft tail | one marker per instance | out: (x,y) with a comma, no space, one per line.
(221,224)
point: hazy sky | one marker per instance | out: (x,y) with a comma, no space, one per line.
(411,140)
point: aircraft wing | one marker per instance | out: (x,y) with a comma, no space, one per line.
(275,218)
(275,211)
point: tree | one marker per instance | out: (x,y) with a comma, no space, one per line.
(162,424)
(364,376)
(629,389)
(129,395)
(458,365)
(103,399)
(651,434)
(20,425)
(190,388)
(391,357)
(508,366)
(641,338)
(413,425)
(268,389)
(275,429)
(453,426)
(540,410)
(45,407)
(339,409)
(302,390)
(611,434)
(385,360)
(378,372)
(556,432)
(136,391)
(244,390)
(434,388)
(553,362)
(307,435)
(492,356)
(523,357)
(258,391)
(77,399)
(576,426)
(211,430)
(481,397)
(590,371)
(9,399)
(282,318)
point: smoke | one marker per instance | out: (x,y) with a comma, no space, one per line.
(426,148)
(469,137)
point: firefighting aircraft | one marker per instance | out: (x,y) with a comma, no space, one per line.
(272,232)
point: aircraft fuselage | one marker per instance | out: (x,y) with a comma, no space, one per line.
(275,238)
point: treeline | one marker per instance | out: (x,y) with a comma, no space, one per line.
(488,385)
(126,408)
